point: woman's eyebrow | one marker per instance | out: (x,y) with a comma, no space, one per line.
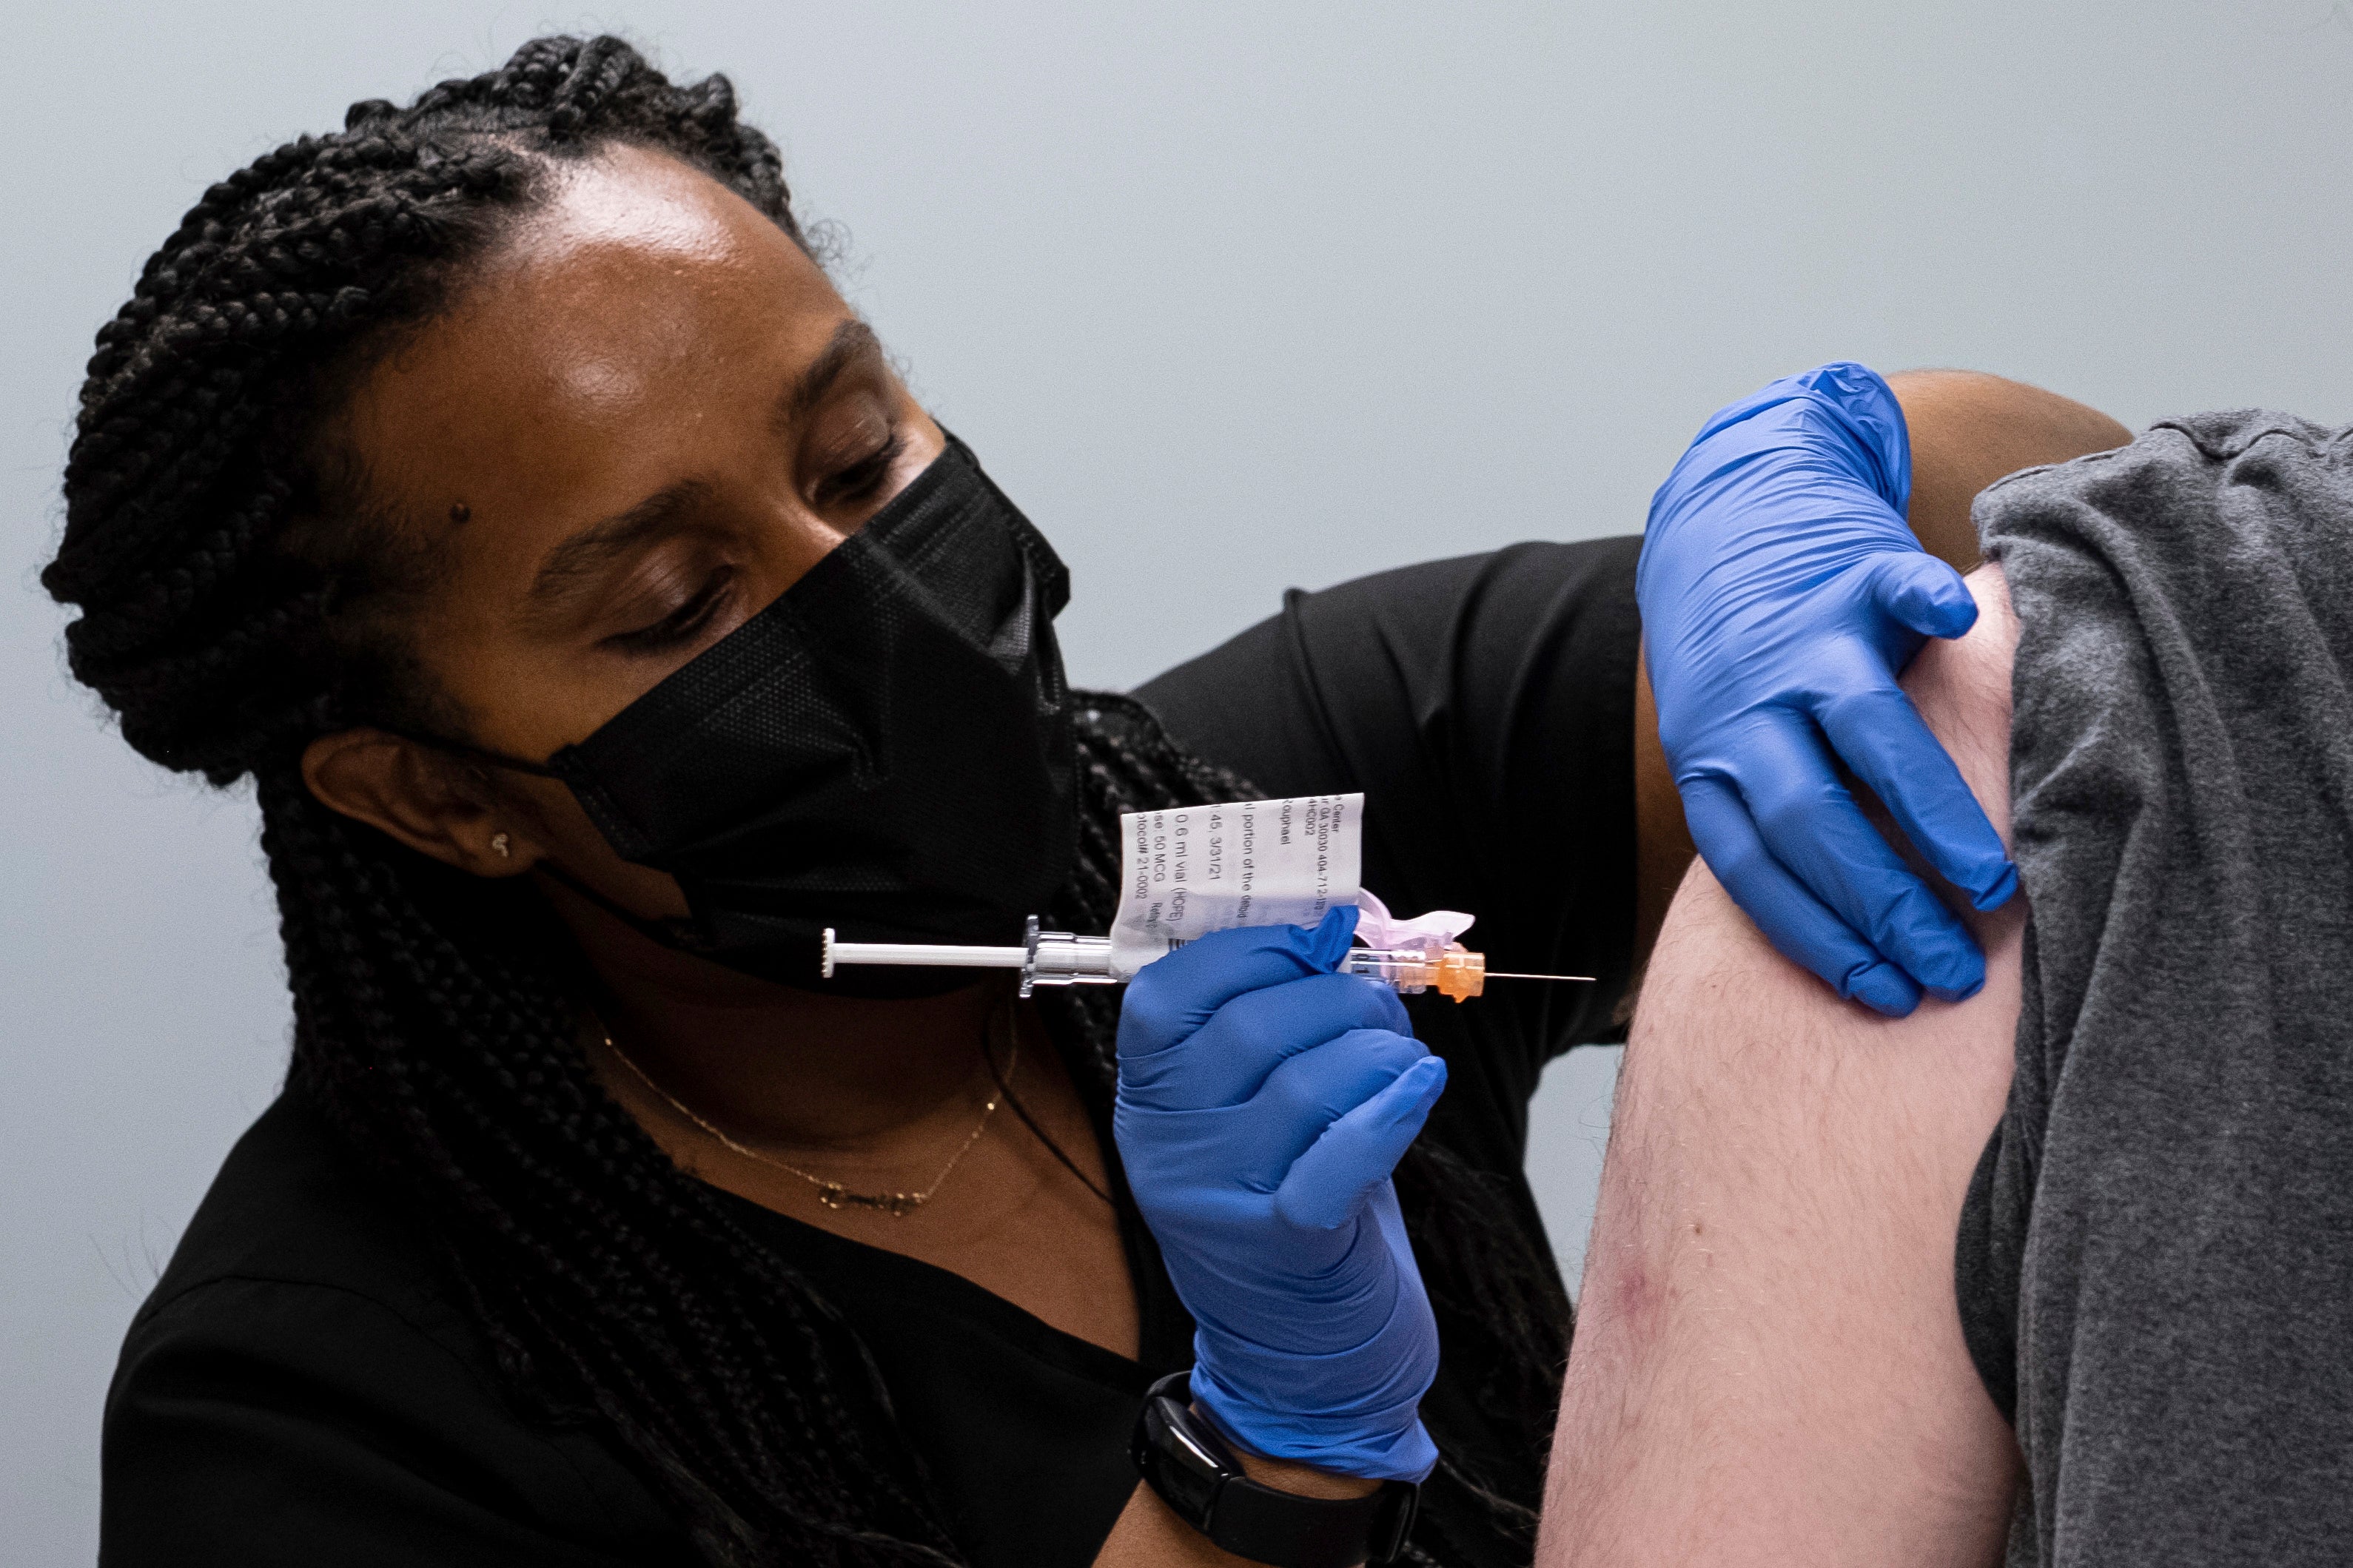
(569,567)
(852,341)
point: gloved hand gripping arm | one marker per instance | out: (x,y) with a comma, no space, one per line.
(1781,595)
(1263,1101)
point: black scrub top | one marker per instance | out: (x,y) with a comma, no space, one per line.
(305,1385)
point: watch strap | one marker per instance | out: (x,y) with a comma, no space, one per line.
(1196,1472)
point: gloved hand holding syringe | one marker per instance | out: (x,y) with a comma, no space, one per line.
(1190,871)
(1265,1096)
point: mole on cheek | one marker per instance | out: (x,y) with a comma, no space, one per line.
(460,511)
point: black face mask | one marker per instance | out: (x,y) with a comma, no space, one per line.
(885,750)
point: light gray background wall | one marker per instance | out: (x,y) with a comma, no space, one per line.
(1330,286)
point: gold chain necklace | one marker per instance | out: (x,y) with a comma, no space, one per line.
(832,1193)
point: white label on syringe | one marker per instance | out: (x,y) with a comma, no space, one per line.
(1186,872)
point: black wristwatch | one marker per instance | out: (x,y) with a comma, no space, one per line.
(1197,1474)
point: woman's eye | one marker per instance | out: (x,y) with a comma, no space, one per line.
(680,625)
(862,478)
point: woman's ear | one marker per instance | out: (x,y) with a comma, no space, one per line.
(418,797)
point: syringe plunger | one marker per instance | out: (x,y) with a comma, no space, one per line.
(1047,958)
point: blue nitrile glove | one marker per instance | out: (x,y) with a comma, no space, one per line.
(1264,1100)
(1781,594)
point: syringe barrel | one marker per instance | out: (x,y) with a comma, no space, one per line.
(1061,958)
(1454,969)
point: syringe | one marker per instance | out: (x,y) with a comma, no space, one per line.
(1062,958)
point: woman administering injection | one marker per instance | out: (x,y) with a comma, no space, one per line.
(499,485)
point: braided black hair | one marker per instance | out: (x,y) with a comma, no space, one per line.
(237,603)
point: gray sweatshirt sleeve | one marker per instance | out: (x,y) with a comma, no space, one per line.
(2164,1224)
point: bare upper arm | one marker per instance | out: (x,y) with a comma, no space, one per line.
(1768,1365)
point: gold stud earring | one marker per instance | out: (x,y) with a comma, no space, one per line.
(499,846)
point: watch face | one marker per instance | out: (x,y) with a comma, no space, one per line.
(1186,1445)
(1187,1462)
(1172,1456)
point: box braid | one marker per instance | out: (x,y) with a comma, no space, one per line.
(238,599)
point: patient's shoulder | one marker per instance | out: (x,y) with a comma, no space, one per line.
(2225,434)
(2232,469)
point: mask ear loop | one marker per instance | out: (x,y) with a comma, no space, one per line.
(679,935)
